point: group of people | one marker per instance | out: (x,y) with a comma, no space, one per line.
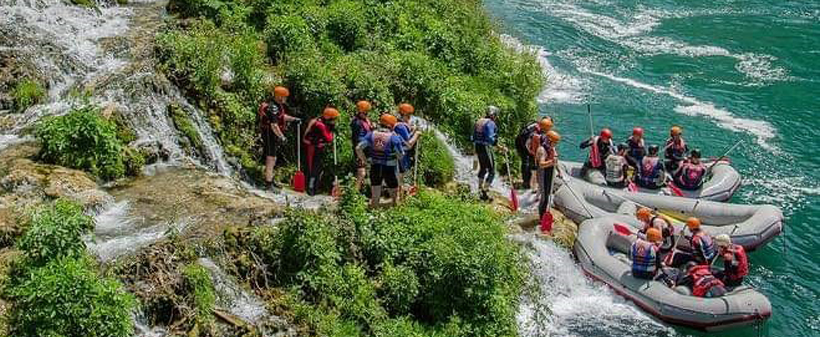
(685,167)
(388,146)
(656,249)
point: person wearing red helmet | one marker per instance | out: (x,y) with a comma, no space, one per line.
(637,148)
(600,147)
(273,120)
(318,134)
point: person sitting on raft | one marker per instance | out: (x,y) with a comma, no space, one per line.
(650,221)
(703,248)
(616,167)
(637,148)
(689,175)
(546,157)
(735,262)
(646,260)
(650,172)
(703,283)
(600,147)
(675,149)
(385,149)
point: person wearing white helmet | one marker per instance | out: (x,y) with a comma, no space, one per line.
(485,137)
(735,261)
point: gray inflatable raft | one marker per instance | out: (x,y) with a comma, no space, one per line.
(596,238)
(748,225)
(721,185)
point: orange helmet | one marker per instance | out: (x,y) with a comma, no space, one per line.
(406,109)
(606,133)
(388,120)
(553,136)
(363,106)
(330,113)
(654,235)
(280,91)
(545,124)
(693,223)
(644,214)
(675,130)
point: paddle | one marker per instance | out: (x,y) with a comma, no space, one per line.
(583,204)
(632,187)
(415,188)
(674,188)
(513,195)
(299,176)
(591,127)
(547,219)
(622,229)
(334,192)
(726,153)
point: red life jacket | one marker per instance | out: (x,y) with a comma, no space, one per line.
(318,133)
(692,175)
(703,280)
(595,154)
(742,269)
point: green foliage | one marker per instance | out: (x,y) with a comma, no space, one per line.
(66,298)
(202,291)
(56,231)
(435,266)
(84,140)
(184,124)
(134,161)
(436,165)
(26,93)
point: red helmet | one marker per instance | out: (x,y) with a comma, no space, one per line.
(606,133)
(637,132)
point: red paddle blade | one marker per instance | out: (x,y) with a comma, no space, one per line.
(632,187)
(513,200)
(546,222)
(622,229)
(299,181)
(675,190)
(413,190)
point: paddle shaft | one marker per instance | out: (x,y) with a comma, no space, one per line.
(724,155)
(416,163)
(299,146)
(583,204)
(591,127)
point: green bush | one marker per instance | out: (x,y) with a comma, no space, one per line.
(202,291)
(194,58)
(84,140)
(436,165)
(286,34)
(185,126)
(26,93)
(400,287)
(56,231)
(346,24)
(66,298)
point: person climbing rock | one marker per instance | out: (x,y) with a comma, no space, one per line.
(616,167)
(600,147)
(735,262)
(702,281)
(318,136)
(360,126)
(675,149)
(645,257)
(690,173)
(703,248)
(273,119)
(527,143)
(409,135)
(651,172)
(485,137)
(546,158)
(637,148)
(386,150)
(651,220)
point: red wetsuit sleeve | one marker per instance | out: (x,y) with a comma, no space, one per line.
(325,132)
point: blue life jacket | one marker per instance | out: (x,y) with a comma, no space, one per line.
(636,149)
(703,246)
(644,256)
(383,145)
(484,132)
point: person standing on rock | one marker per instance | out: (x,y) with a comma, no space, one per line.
(546,157)
(485,137)
(409,135)
(318,135)
(386,150)
(526,144)
(273,120)
(360,126)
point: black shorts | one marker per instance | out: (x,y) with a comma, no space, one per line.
(270,143)
(383,173)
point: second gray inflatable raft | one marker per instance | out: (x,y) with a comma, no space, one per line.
(596,238)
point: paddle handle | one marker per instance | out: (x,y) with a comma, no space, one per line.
(299,146)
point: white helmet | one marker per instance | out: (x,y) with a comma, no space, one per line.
(723,240)
(492,110)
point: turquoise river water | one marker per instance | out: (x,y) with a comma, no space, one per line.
(725,71)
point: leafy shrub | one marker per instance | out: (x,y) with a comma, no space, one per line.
(436,165)
(202,291)
(84,140)
(194,59)
(66,298)
(400,287)
(346,24)
(185,126)
(26,93)
(134,161)
(56,231)
(287,34)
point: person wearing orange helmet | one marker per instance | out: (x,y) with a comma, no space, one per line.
(703,247)
(410,135)
(600,147)
(546,157)
(273,120)
(386,150)
(637,148)
(646,260)
(675,149)
(527,143)
(360,126)
(318,135)
(651,220)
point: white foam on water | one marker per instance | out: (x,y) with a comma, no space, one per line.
(761,130)
(566,303)
(113,219)
(231,295)
(7,140)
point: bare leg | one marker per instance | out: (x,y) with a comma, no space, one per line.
(269,163)
(360,173)
(375,196)
(400,177)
